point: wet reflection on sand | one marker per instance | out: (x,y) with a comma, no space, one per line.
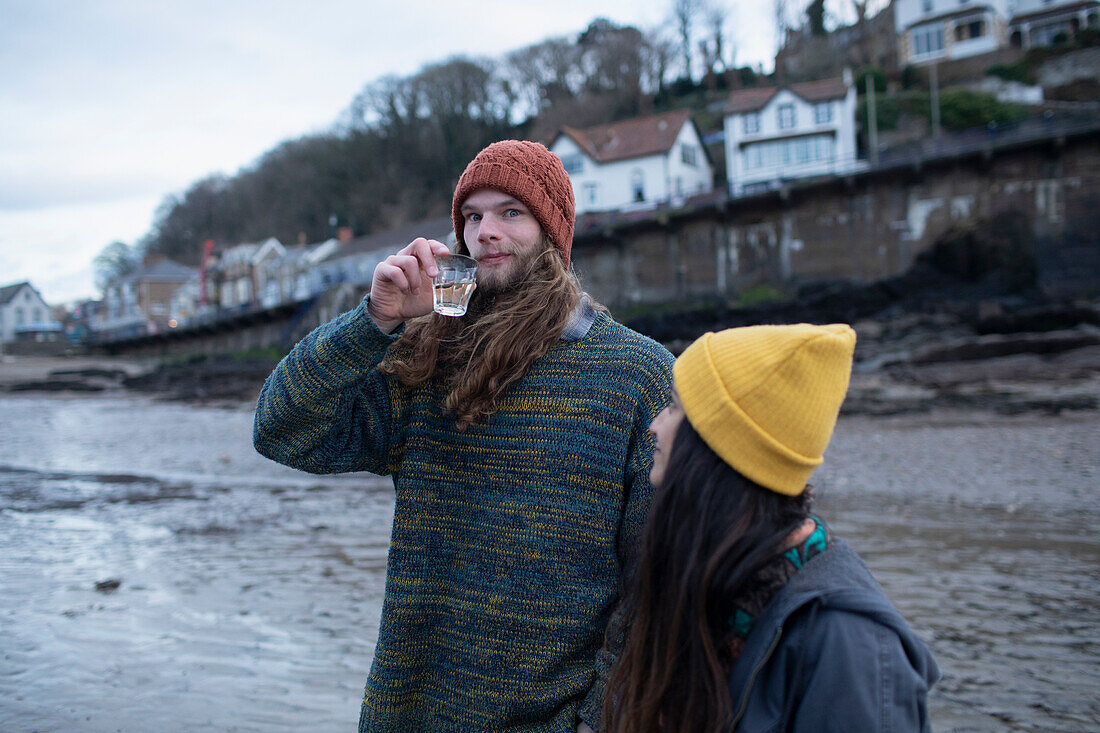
(249,594)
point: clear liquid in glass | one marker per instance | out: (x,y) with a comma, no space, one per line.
(451,299)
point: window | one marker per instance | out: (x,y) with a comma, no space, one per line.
(573,164)
(19,316)
(637,185)
(689,155)
(926,6)
(799,151)
(927,39)
(591,191)
(966,31)
(752,123)
(786,116)
(157,309)
(823,112)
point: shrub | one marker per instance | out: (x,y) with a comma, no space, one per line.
(876,74)
(762,293)
(961,108)
(887,111)
(1011,72)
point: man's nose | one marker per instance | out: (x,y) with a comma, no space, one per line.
(488,229)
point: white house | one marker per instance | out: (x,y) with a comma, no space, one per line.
(1039,22)
(778,133)
(635,163)
(294,276)
(936,30)
(23,314)
(243,272)
(355,261)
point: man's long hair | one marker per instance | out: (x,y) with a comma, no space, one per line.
(494,344)
(709,531)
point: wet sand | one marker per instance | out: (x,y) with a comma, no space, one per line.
(249,593)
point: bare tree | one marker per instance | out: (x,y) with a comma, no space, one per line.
(658,54)
(114,262)
(547,72)
(781,13)
(717,15)
(685,12)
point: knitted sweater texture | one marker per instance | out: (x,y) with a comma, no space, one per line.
(509,539)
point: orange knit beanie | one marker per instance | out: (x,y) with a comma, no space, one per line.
(534,176)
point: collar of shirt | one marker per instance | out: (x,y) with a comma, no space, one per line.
(584,315)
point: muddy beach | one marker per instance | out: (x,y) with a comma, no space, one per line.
(235,594)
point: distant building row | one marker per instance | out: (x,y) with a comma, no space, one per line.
(771,134)
(934,30)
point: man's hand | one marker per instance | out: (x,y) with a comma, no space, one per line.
(402,285)
(584,728)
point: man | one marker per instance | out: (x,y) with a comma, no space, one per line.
(517,439)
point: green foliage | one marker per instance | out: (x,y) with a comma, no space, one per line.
(961,108)
(815,15)
(878,79)
(1088,37)
(909,77)
(887,111)
(1019,71)
(757,294)
(748,77)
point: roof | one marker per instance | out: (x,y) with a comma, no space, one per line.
(654,135)
(10,291)
(163,270)
(752,100)
(1052,12)
(396,238)
(975,10)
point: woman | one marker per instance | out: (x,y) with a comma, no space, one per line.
(745,613)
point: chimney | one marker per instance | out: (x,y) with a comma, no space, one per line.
(343,235)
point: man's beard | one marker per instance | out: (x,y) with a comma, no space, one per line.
(497,312)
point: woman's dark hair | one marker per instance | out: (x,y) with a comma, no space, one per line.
(709,531)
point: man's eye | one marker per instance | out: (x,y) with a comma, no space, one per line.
(473,217)
(512,212)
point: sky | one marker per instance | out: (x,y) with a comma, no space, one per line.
(107,107)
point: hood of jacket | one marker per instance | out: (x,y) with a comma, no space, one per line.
(835,579)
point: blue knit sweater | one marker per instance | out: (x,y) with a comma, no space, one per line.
(509,539)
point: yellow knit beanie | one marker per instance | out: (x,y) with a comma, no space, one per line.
(766,398)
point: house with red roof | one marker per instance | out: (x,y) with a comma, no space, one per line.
(635,163)
(775,134)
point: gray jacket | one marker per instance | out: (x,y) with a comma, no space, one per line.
(830,653)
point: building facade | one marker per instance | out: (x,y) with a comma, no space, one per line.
(774,134)
(1044,22)
(938,30)
(25,315)
(142,302)
(635,163)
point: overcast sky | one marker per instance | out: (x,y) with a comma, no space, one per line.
(109,106)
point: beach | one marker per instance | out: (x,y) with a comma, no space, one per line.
(238,595)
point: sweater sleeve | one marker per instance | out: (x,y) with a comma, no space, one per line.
(326,408)
(637,493)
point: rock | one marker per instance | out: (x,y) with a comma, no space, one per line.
(108,586)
